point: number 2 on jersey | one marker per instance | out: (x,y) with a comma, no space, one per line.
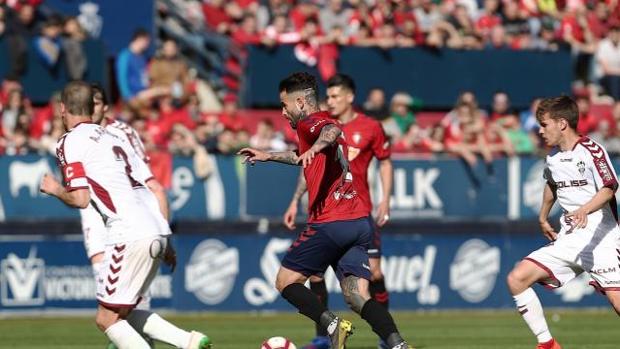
(120,154)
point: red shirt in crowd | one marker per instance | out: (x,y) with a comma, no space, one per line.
(331,192)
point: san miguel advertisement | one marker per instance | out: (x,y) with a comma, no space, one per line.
(224,272)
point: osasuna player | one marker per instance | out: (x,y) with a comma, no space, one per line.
(365,139)
(338,231)
(580,176)
(97,169)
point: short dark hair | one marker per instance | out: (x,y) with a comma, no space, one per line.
(342,80)
(77,97)
(98,90)
(562,107)
(140,33)
(301,81)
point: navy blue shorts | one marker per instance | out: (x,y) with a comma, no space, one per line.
(374,249)
(343,245)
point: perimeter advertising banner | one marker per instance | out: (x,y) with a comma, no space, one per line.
(223,273)
(444,188)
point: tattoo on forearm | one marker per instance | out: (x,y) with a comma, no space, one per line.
(329,134)
(285,157)
(301,187)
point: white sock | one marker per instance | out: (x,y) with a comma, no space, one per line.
(125,337)
(154,326)
(531,310)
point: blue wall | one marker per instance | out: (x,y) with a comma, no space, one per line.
(40,83)
(435,76)
(119,18)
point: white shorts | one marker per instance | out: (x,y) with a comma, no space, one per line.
(93,230)
(128,270)
(596,253)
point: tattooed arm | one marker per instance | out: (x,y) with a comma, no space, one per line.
(254,155)
(291,212)
(329,135)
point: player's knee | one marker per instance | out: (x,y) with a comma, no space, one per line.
(353,296)
(376,274)
(516,280)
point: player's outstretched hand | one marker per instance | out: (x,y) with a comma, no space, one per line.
(49,185)
(548,231)
(289,216)
(170,257)
(383,213)
(578,219)
(306,158)
(252,155)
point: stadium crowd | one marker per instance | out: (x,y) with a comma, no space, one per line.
(178,113)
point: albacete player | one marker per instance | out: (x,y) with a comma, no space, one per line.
(580,176)
(97,170)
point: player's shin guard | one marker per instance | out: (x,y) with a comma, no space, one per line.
(381,322)
(154,326)
(125,337)
(320,290)
(379,293)
(305,301)
(531,310)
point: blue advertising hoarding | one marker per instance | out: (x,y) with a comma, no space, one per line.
(443,188)
(457,269)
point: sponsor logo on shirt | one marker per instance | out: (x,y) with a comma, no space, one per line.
(572,183)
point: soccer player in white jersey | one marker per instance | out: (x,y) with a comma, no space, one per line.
(580,176)
(97,169)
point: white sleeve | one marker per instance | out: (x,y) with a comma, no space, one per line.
(140,171)
(70,152)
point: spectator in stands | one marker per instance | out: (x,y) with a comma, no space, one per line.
(20,28)
(14,108)
(500,107)
(464,134)
(515,140)
(280,31)
(605,136)
(576,31)
(47,143)
(219,14)
(488,19)
(75,58)
(169,70)
(269,10)
(401,116)
(335,15)
(375,105)
(131,72)
(516,27)
(229,117)
(588,122)
(419,140)
(48,45)
(266,138)
(608,59)
(427,15)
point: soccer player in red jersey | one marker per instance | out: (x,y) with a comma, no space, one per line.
(365,139)
(338,232)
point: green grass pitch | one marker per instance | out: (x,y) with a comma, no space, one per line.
(575,329)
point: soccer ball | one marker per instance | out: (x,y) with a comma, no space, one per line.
(278,343)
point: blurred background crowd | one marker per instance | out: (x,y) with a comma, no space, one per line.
(177,112)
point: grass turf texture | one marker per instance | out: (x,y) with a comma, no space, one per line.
(591,329)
